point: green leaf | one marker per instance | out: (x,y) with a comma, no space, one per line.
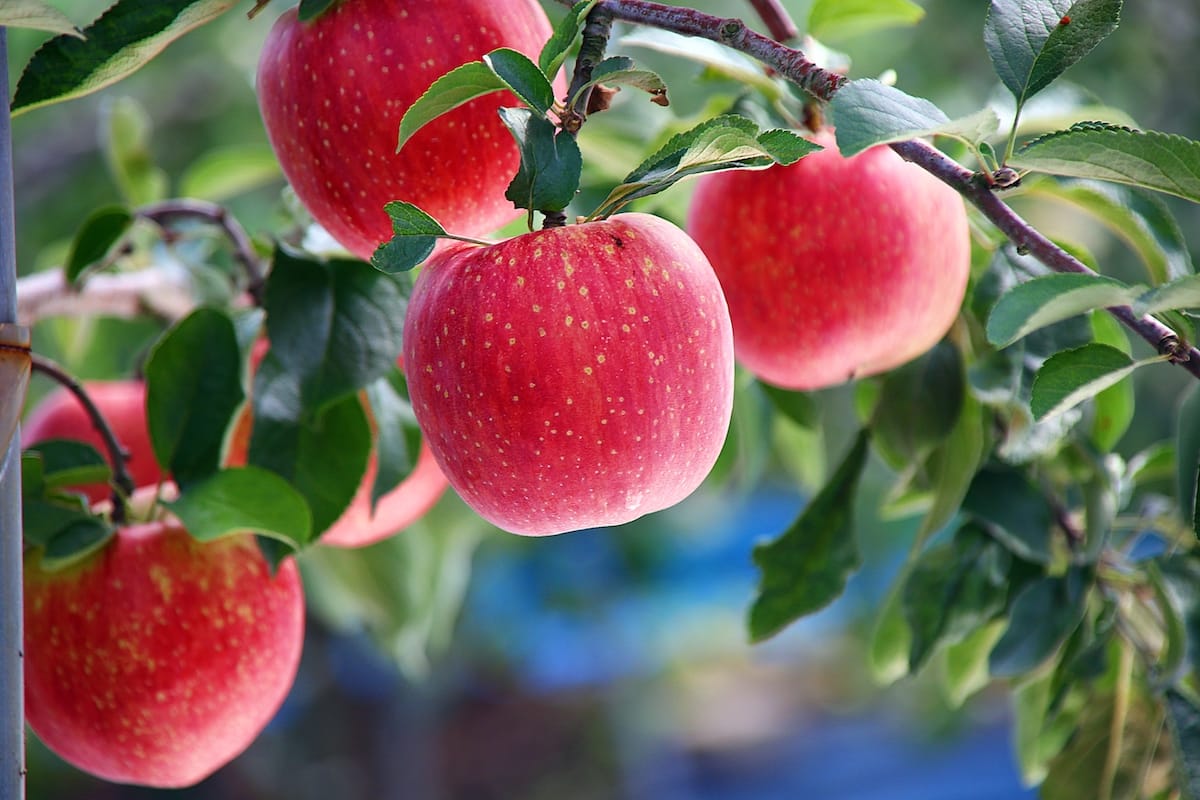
(245,499)
(1047,299)
(101,230)
(120,42)
(554,52)
(311,9)
(952,467)
(225,172)
(523,76)
(36,15)
(714,57)
(398,439)
(414,235)
(551,164)
(799,407)
(127,153)
(965,663)
(1178,577)
(924,398)
(323,455)
(807,566)
(1013,510)
(830,20)
(1140,219)
(620,71)
(1163,162)
(1068,378)
(66,462)
(456,87)
(721,143)
(866,113)
(1032,42)
(891,638)
(1113,407)
(1043,615)
(335,324)
(1187,450)
(193,389)
(1178,294)
(1184,720)
(953,589)
(76,542)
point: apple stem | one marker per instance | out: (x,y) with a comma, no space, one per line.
(775,17)
(117,455)
(823,84)
(167,211)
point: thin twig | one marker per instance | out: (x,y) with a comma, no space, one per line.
(793,65)
(161,292)
(118,456)
(165,212)
(776,18)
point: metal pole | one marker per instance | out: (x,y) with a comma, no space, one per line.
(12,691)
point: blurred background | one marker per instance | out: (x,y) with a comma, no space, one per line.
(455,661)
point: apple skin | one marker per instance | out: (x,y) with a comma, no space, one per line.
(332,93)
(833,268)
(574,377)
(60,415)
(159,659)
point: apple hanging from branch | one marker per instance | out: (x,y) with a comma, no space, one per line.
(834,268)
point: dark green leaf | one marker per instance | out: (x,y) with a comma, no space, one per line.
(1184,720)
(311,9)
(120,42)
(193,388)
(1043,615)
(36,15)
(99,233)
(335,324)
(551,164)
(414,235)
(75,542)
(953,589)
(33,483)
(1180,579)
(323,455)
(554,52)
(866,113)
(245,499)
(456,87)
(523,77)
(1187,454)
(1013,510)
(799,407)
(397,439)
(842,19)
(807,566)
(1047,299)
(952,466)
(1067,379)
(920,404)
(1032,42)
(1163,162)
(620,71)
(66,462)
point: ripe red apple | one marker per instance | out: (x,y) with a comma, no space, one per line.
(158,659)
(361,523)
(573,377)
(332,93)
(834,268)
(122,403)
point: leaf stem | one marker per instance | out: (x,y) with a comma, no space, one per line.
(118,456)
(167,211)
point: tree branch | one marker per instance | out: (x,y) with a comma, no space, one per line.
(793,65)
(775,17)
(164,293)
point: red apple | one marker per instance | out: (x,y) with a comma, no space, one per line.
(573,377)
(362,523)
(834,268)
(332,93)
(122,403)
(159,659)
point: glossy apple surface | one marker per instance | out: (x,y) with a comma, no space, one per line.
(332,93)
(833,268)
(159,659)
(60,415)
(574,377)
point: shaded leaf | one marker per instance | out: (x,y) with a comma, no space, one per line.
(866,113)
(66,462)
(1047,299)
(952,467)
(842,19)
(1068,378)
(891,638)
(714,57)
(100,231)
(398,439)
(1013,510)
(127,152)
(554,52)
(922,401)
(311,9)
(1179,293)
(1187,453)
(965,663)
(36,15)
(1112,407)
(1043,615)
(620,71)
(119,43)
(244,499)
(551,164)
(807,566)
(1163,162)
(1184,720)
(799,407)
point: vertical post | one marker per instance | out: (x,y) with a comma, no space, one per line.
(12,692)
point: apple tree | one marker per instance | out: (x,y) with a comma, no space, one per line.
(513,286)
